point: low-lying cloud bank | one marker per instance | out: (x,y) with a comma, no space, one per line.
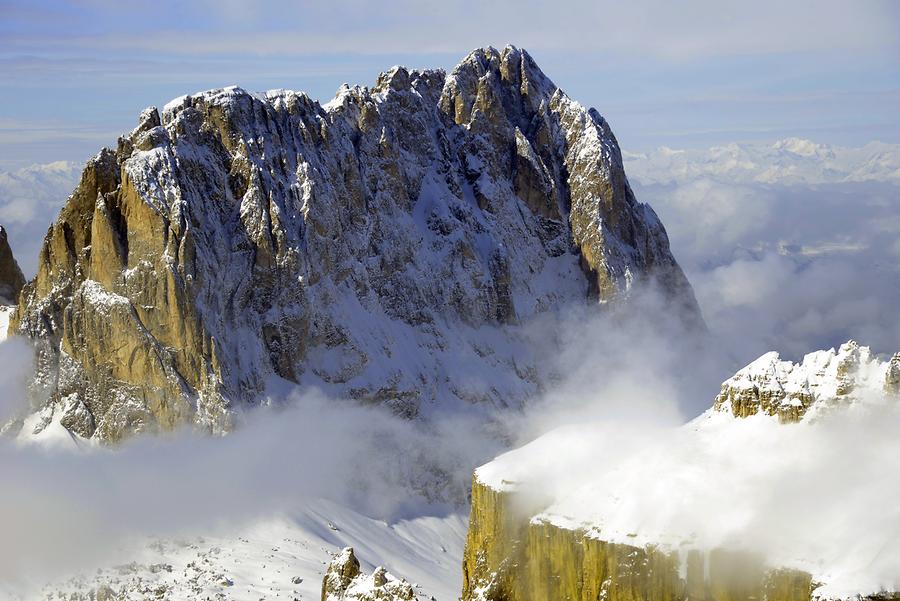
(790,247)
(68,508)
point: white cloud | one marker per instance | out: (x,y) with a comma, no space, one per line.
(790,246)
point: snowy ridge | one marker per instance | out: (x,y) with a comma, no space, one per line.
(387,247)
(6,312)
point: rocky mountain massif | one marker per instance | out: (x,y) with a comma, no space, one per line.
(531,538)
(385,246)
(279,557)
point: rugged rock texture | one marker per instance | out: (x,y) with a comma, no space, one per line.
(510,557)
(822,380)
(383,247)
(344,581)
(11,278)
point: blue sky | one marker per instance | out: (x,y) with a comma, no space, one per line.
(681,74)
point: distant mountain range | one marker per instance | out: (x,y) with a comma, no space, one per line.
(788,161)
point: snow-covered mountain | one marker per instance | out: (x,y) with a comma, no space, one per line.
(788,161)
(386,247)
(801,507)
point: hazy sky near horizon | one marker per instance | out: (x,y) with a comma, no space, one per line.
(688,74)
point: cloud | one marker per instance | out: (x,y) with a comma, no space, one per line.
(789,247)
(811,496)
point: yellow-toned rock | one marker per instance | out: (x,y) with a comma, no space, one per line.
(511,557)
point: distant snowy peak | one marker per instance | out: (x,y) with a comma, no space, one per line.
(804,148)
(788,161)
(823,380)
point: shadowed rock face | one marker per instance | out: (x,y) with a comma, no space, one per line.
(11,278)
(385,246)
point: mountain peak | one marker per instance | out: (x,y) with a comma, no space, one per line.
(822,380)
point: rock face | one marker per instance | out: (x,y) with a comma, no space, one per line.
(824,379)
(384,246)
(11,278)
(344,581)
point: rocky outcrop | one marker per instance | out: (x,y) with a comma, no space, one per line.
(11,278)
(824,379)
(385,246)
(513,557)
(892,376)
(344,581)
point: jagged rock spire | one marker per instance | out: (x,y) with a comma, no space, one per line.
(11,278)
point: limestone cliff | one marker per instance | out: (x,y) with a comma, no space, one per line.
(11,278)
(383,246)
(513,557)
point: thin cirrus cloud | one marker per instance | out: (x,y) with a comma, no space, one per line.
(670,30)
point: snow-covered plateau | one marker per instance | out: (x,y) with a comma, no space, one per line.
(794,462)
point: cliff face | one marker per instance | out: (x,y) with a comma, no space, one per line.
(512,557)
(11,278)
(381,247)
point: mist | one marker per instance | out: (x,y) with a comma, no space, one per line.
(818,496)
